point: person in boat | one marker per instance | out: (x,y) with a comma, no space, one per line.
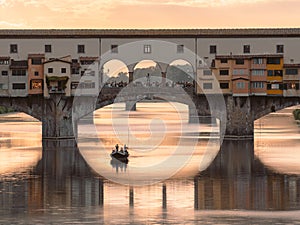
(125,149)
(122,150)
(117,147)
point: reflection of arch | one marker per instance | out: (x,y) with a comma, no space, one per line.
(114,70)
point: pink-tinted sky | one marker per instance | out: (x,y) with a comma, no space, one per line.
(148,13)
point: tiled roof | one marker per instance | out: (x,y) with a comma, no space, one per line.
(88,58)
(57,60)
(249,32)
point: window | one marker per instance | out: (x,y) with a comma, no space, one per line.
(3,86)
(257,60)
(224,61)
(36,84)
(147,49)
(258,72)
(13,48)
(224,72)
(273,60)
(278,73)
(275,86)
(20,86)
(48,48)
(246,48)
(63,70)
(180,48)
(4,61)
(36,73)
(74,85)
(291,71)
(18,72)
(87,62)
(294,86)
(80,48)
(207,85)
(213,49)
(275,73)
(114,49)
(238,72)
(36,61)
(75,70)
(87,85)
(207,72)
(239,61)
(279,48)
(240,85)
(4,73)
(50,70)
(224,85)
(258,85)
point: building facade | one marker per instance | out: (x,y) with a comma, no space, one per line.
(238,62)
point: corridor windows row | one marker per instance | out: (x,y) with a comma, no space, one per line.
(246,49)
(48,48)
(147,49)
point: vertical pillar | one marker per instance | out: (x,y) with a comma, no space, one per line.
(101,192)
(57,119)
(164,77)
(131,197)
(164,196)
(196,196)
(130,74)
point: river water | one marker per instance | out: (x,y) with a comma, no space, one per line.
(177,172)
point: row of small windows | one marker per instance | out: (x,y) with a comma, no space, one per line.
(271,60)
(255,85)
(62,70)
(48,48)
(147,48)
(246,49)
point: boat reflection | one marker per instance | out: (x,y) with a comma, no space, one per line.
(119,166)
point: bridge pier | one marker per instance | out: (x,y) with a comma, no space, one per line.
(57,120)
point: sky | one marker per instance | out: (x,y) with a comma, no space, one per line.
(146,14)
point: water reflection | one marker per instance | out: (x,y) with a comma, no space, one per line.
(60,187)
(277,141)
(238,180)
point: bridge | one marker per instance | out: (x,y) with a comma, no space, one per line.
(59,114)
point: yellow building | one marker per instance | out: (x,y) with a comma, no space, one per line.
(275,74)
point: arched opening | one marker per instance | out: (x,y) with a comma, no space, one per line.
(114,73)
(277,140)
(157,132)
(180,73)
(147,73)
(20,142)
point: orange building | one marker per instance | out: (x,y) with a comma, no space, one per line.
(35,73)
(275,74)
